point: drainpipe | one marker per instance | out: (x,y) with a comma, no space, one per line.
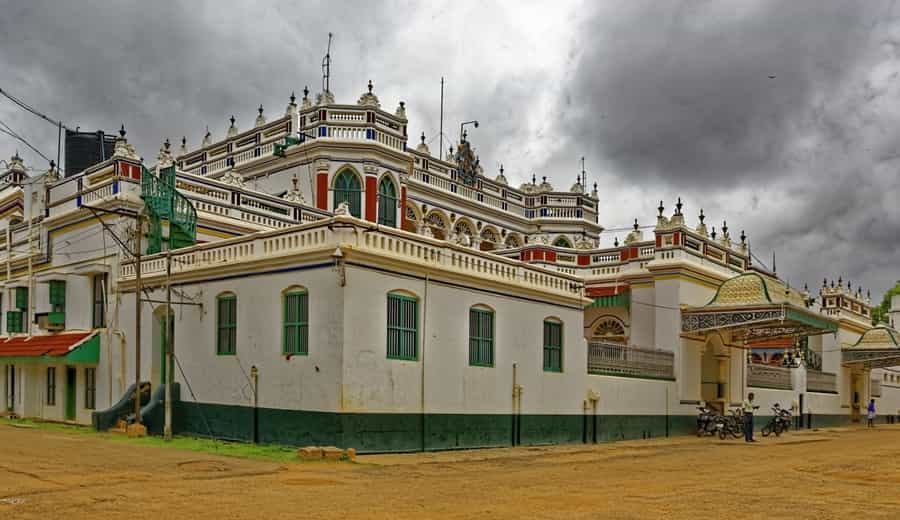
(424,340)
(254,378)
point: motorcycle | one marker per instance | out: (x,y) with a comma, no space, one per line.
(708,422)
(779,423)
(732,423)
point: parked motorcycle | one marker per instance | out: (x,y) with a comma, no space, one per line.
(779,423)
(708,421)
(732,423)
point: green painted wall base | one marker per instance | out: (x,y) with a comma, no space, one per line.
(389,432)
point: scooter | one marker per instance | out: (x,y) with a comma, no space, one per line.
(779,423)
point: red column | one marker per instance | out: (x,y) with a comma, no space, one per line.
(371,191)
(322,190)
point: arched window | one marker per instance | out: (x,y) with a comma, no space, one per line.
(609,330)
(481,336)
(562,242)
(553,341)
(295,336)
(387,202)
(226,324)
(348,189)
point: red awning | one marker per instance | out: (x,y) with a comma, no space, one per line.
(594,292)
(37,346)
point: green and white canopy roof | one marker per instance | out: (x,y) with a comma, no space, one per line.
(878,347)
(755,308)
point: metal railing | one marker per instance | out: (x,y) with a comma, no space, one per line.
(767,376)
(818,381)
(620,360)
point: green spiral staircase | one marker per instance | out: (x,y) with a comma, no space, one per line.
(163,202)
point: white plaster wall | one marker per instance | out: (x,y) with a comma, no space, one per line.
(642,331)
(373,382)
(302,382)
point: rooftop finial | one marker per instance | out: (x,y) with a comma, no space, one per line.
(636,225)
(501,168)
(616,242)
(423,137)
(294,97)
(678,206)
(725,228)
(533,179)
(824,282)
(743,237)
(702,216)
(167,144)
(122,131)
(232,119)
(713,234)
(305,92)
(661,208)
(370,86)
(183,141)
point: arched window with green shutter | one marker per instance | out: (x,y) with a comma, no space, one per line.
(347,188)
(387,202)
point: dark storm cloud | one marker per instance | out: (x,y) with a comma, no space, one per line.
(683,90)
(781,117)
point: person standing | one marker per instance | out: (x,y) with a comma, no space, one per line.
(871,415)
(748,408)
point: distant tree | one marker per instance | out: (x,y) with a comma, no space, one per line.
(880,312)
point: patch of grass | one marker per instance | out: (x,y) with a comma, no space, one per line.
(268,452)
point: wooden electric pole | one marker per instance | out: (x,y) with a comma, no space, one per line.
(170,347)
(139,230)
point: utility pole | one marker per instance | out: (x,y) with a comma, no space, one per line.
(441,131)
(139,230)
(170,348)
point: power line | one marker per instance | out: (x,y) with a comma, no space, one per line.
(25,106)
(9,131)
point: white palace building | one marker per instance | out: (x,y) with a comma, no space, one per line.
(333,284)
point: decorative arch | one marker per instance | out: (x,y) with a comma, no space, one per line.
(609,329)
(439,223)
(513,240)
(464,226)
(347,187)
(489,238)
(562,241)
(413,217)
(387,201)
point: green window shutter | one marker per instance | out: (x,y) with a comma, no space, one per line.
(348,189)
(552,346)
(14,321)
(51,386)
(296,323)
(387,203)
(90,388)
(402,327)
(481,337)
(22,298)
(58,295)
(226,325)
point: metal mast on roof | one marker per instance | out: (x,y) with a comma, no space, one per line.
(326,67)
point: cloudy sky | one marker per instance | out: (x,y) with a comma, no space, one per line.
(782,118)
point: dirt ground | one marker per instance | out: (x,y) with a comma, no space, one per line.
(814,474)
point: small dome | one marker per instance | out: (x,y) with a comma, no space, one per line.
(232,130)
(545,186)
(423,148)
(500,178)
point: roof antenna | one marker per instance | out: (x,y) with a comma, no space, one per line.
(583,174)
(326,67)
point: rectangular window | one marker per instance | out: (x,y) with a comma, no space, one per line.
(98,300)
(226,325)
(90,388)
(51,386)
(22,298)
(14,322)
(481,337)
(552,346)
(58,295)
(402,327)
(296,323)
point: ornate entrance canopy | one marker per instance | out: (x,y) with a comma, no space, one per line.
(752,309)
(878,347)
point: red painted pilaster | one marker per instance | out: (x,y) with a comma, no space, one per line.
(584,259)
(371,190)
(403,207)
(322,190)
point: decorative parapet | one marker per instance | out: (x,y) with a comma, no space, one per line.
(766,376)
(619,360)
(823,382)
